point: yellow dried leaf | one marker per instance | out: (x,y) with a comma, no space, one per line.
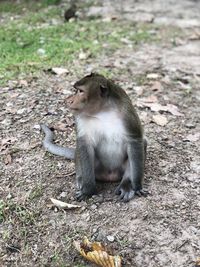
(96,253)
(63,205)
(197,263)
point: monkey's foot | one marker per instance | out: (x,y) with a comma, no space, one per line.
(141,193)
(127,194)
(80,196)
(83,196)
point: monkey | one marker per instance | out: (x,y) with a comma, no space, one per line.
(110,144)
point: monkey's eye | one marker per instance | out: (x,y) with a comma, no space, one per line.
(80,91)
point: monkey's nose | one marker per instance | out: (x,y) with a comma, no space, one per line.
(69,100)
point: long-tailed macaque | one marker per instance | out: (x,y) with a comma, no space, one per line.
(109,138)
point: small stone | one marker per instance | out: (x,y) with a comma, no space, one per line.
(41,52)
(9,196)
(190,125)
(88,219)
(36,127)
(63,194)
(21,111)
(82,56)
(93,207)
(110,238)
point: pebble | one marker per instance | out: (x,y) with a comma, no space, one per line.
(110,238)
(93,207)
(41,51)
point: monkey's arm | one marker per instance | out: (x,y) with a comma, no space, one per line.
(136,156)
(85,169)
(131,183)
(48,144)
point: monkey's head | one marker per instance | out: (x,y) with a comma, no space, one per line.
(91,92)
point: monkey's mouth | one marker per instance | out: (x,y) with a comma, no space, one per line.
(74,110)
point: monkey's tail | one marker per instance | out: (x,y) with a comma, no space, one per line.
(48,144)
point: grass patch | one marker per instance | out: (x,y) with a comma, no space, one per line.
(41,40)
(22,6)
(16,213)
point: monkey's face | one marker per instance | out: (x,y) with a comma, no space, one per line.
(88,98)
(78,101)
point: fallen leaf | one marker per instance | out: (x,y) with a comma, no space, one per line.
(173,110)
(7,142)
(150,99)
(14,95)
(63,205)
(153,76)
(192,137)
(138,89)
(23,83)
(158,107)
(59,71)
(195,36)
(11,110)
(160,120)
(97,253)
(8,159)
(197,264)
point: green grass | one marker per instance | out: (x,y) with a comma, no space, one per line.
(24,5)
(22,40)
(14,212)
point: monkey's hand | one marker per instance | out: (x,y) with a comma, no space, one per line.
(126,192)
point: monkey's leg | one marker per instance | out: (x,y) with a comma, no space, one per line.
(85,169)
(131,183)
(145,149)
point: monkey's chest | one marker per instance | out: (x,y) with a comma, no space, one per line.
(111,152)
(107,135)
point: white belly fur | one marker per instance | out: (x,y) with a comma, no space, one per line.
(107,133)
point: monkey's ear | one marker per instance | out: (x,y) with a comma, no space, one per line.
(103,90)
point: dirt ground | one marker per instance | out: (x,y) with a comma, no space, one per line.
(160,230)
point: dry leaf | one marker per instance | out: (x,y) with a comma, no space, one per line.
(195,35)
(14,95)
(173,110)
(153,76)
(193,137)
(138,89)
(63,205)
(160,120)
(6,142)
(23,83)
(197,264)
(59,71)
(158,107)
(96,253)
(150,99)
(11,110)
(8,159)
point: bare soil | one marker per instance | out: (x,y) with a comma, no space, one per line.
(160,230)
